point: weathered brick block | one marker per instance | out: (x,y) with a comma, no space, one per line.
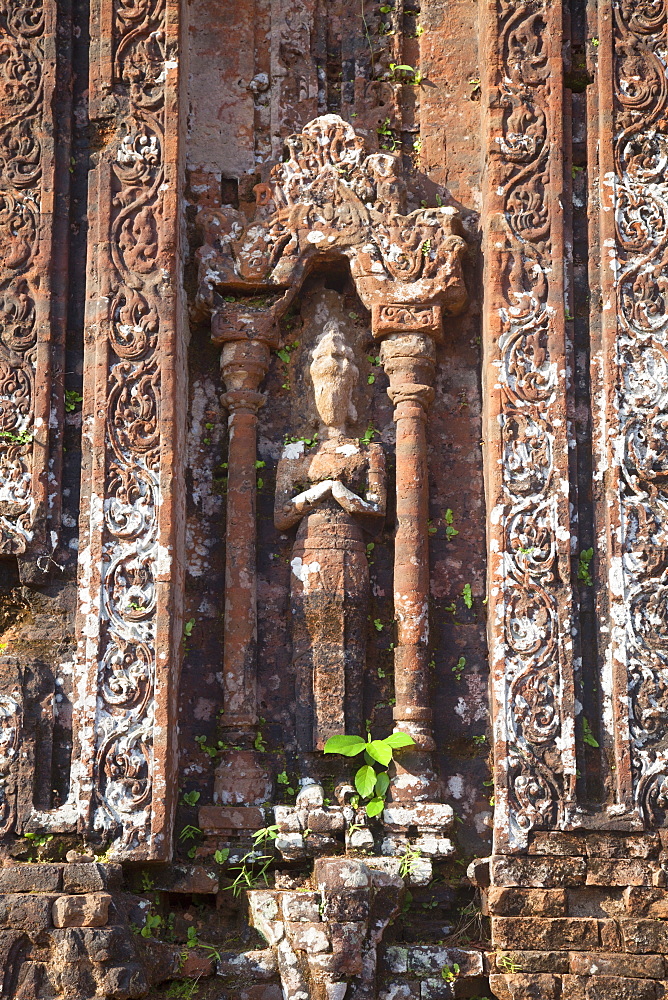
(458,989)
(532,961)
(558,844)
(592,901)
(341,874)
(268,991)
(538,872)
(260,964)
(301,906)
(643,901)
(309,937)
(600,963)
(525,987)
(546,933)
(94,944)
(607,987)
(515,902)
(345,906)
(83,910)
(348,943)
(185,879)
(27,912)
(433,958)
(31,878)
(616,871)
(610,936)
(607,845)
(92,878)
(644,936)
(221,819)
(405,990)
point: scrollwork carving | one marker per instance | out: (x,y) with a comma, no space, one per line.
(639,432)
(123,651)
(534,603)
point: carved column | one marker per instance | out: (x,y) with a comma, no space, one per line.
(409,358)
(34,181)
(525,380)
(135,398)
(630,385)
(246,341)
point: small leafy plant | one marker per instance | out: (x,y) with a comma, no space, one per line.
(72,400)
(459,668)
(584,564)
(369,783)
(506,963)
(450,972)
(450,532)
(588,736)
(409,861)
(467,596)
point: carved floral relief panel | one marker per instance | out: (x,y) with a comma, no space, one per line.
(632,385)
(530,596)
(129,566)
(31,274)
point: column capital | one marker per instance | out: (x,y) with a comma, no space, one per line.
(239,321)
(396,318)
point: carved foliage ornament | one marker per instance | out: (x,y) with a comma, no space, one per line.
(22,112)
(124,643)
(531,630)
(639,582)
(329,197)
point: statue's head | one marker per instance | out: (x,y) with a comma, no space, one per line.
(334,374)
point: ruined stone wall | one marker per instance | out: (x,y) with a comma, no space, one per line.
(333,362)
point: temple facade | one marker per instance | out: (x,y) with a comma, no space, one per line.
(333,477)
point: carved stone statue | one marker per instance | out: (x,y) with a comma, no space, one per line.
(332,492)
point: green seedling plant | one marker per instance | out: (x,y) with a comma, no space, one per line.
(506,964)
(459,668)
(368,435)
(153,922)
(220,857)
(72,400)
(190,832)
(370,784)
(209,750)
(467,596)
(409,861)
(283,779)
(386,134)
(184,989)
(584,567)
(588,736)
(251,872)
(449,518)
(191,798)
(23,437)
(265,836)
(450,972)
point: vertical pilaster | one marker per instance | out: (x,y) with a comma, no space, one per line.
(132,511)
(525,374)
(34,151)
(630,380)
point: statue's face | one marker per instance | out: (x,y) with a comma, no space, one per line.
(334,376)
